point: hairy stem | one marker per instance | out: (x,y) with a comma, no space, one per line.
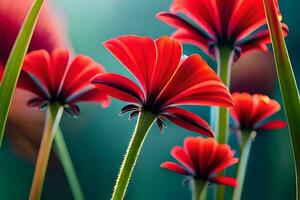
(144,123)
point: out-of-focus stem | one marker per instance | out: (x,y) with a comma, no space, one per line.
(199,188)
(246,139)
(65,159)
(53,117)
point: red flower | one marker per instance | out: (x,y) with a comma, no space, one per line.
(53,79)
(47,35)
(220,23)
(167,81)
(202,159)
(25,134)
(250,111)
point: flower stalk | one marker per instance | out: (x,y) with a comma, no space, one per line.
(143,125)
(246,140)
(54,114)
(225,60)
(287,83)
(65,159)
(221,121)
(15,61)
(199,188)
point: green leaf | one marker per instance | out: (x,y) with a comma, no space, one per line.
(65,159)
(287,82)
(14,63)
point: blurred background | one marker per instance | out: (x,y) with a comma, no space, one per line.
(98,139)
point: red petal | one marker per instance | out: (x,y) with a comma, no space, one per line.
(248,17)
(242,109)
(80,73)
(37,63)
(263,108)
(59,59)
(224,181)
(191,145)
(26,82)
(207,93)
(90,95)
(221,157)
(169,53)
(274,124)
(119,87)
(259,40)
(174,167)
(181,156)
(224,165)
(188,120)
(206,153)
(195,83)
(137,54)
(203,12)
(186,32)
(225,10)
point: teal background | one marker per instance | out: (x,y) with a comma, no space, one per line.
(98,140)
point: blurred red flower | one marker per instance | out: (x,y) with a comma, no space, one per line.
(235,23)
(167,80)
(48,33)
(250,112)
(202,159)
(53,79)
(24,126)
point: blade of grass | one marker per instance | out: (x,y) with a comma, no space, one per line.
(14,63)
(287,82)
(65,159)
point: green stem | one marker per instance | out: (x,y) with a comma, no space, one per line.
(53,117)
(15,62)
(225,60)
(65,159)
(287,83)
(144,123)
(199,188)
(245,147)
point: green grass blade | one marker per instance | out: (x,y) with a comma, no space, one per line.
(287,82)
(14,63)
(65,159)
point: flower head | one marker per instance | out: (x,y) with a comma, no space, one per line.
(167,80)
(250,112)
(235,23)
(54,79)
(201,158)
